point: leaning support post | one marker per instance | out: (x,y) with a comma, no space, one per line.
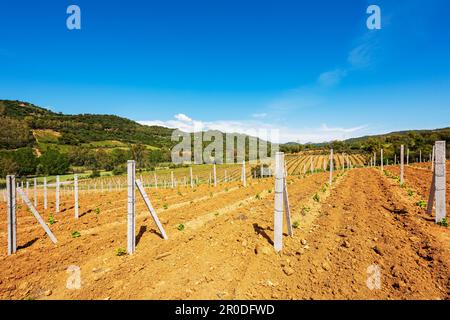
(402,157)
(37,216)
(287,207)
(131,234)
(151,209)
(12,226)
(75,194)
(331,167)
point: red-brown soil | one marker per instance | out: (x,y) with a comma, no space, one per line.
(225,250)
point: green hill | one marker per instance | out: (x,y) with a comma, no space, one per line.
(417,141)
(23,122)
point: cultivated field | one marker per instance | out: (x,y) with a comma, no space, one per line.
(220,239)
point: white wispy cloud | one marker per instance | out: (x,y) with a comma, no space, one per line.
(326,128)
(360,57)
(259,115)
(332,78)
(263,130)
(182,117)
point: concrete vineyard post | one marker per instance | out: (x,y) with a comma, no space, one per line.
(131,236)
(57,195)
(244,175)
(171,179)
(21,186)
(381,159)
(432,159)
(311,165)
(156,180)
(45,193)
(395,159)
(420,156)
(407,156)
(278,208)
(75,194)
(439,180)
(35,192)
(331,167)
(374,159)
(402,151)
(12,226)
(215,175)
(191,177)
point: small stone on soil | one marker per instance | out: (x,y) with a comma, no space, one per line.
(288,271)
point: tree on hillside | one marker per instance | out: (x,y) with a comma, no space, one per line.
(14,133)
(104,160)
(119,156)
(26,160)
(53,162)
(138,153)
(8,166)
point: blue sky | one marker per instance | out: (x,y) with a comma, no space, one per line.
(311,69)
